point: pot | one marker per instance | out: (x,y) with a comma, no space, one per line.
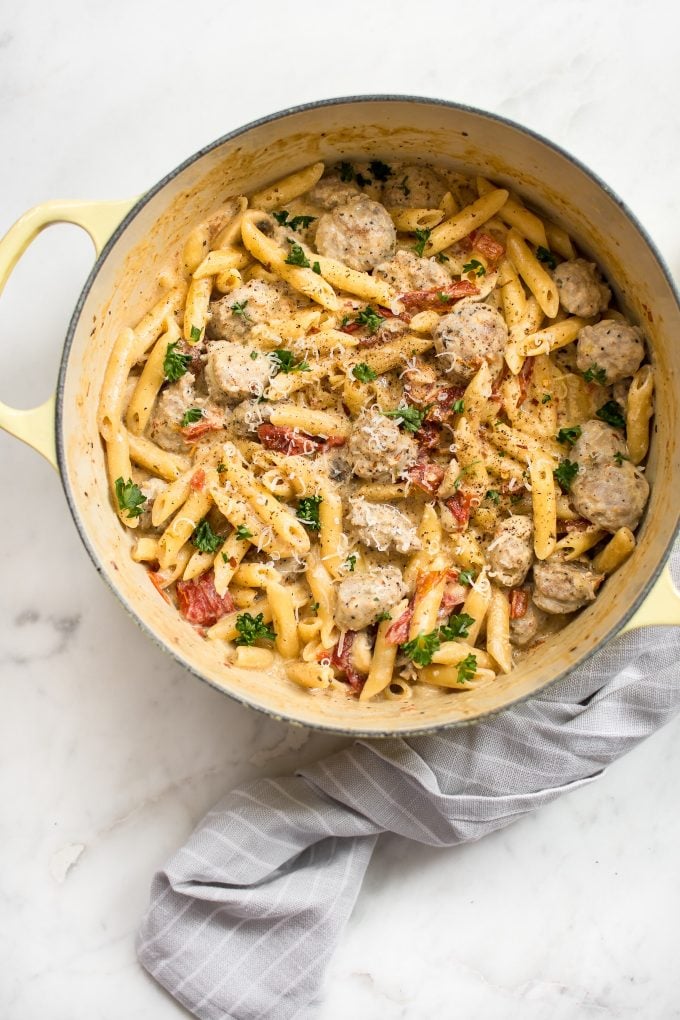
(132,239)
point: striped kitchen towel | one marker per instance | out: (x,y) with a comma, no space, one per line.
(244,918)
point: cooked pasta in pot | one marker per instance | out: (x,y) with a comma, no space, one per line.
(379,430)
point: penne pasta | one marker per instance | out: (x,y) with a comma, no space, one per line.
(616,551)
(112,402)
(539,282)
(288,188)
(517,216)
(150,381)
(196,310)
(384,657)
(159,462)
(462,223)
(639,410)
(544,505)
(410,220)
(498,630)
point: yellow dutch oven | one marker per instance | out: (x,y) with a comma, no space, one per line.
(132,240)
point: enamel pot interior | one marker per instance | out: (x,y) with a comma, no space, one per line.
(124,284)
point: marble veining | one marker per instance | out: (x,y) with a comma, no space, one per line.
(109,752)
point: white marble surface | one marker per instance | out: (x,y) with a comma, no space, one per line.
(108,751)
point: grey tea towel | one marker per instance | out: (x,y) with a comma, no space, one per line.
(244,918)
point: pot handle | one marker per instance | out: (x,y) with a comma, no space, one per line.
(660,608)
(35,425)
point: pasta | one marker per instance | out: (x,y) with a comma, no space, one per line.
(368,447)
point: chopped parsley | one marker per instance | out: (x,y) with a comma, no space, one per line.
(242,532)
(205,539)
(308,512)
(314,607)
(239,310)
(467,668)
(595,374)
(193,414)
(466,577)
(175,364)
(252,628)
(565,474)
(459,405)
(474,266)
(351,563)
(253,355)
(422,648)
(422,237)
(316,268)
(383,616)
(612,413)
(569,436)
(296,256)
(620,457)
(546,398)
(225,558)
(286,363)
(130,497)
(458,627)
(297,221)
(301,222)
(444,298)
(441,257)
(195,335)
(381,171)
(364,373)
(221,467)
(369,318)
(409,418)
(493,495)
(545,256)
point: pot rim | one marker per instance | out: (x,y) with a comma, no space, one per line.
(75,318)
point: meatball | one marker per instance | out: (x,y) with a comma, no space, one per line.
(363,597)
(511,552)
(598,444)
(406,271)
(165,423)
(612,496)
(524,629)
(332,191)
(614,346)
(381,526)
(360,234)
(416,187)
(234,315)
(234,372)
(377,449)
(607,489)
(581,288)
(472,333)
(564,587)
